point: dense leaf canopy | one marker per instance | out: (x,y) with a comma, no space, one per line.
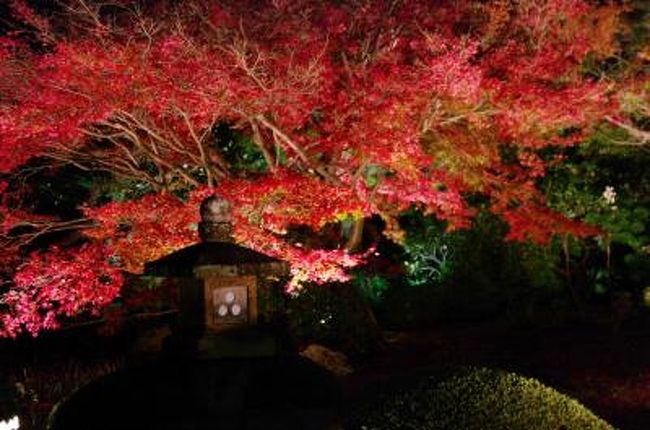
(301,112)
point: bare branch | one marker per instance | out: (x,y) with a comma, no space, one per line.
(298,150)
(259,141)
(641,137)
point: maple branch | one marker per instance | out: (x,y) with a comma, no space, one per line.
(133,120)
(348,70)
(159,160)
(205,162)
(113,138)
(122,168)
(171,140)
(66,160)
(259,141)
(435,115)
(199,144)
(126,168)
(279,133)
(205,157)
(43,227)
(177,146)
(70,91)
(298,150)
(135,140)
(41,26)
(93,15)
(642,137)
(240,59)
(356,236)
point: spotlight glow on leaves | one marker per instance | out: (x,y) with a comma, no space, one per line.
(357,109)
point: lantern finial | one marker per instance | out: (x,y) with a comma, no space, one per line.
(216,220)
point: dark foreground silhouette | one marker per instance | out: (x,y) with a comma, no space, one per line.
(255,393)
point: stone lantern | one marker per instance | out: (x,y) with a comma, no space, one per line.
(219,289)
(219,283)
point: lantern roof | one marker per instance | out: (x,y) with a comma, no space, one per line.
(216,248)
(183,262)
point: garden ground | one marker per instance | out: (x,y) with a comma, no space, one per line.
(604,365)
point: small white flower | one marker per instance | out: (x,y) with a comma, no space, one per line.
(12,424)
(609,195)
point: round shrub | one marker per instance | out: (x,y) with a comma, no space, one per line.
(480,399)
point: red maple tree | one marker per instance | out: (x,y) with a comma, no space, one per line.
(357,108)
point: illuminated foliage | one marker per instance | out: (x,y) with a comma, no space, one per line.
(58,283)
(355,108)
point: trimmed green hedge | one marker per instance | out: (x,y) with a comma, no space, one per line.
(480,399)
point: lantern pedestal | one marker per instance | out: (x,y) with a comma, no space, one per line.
(242,343)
